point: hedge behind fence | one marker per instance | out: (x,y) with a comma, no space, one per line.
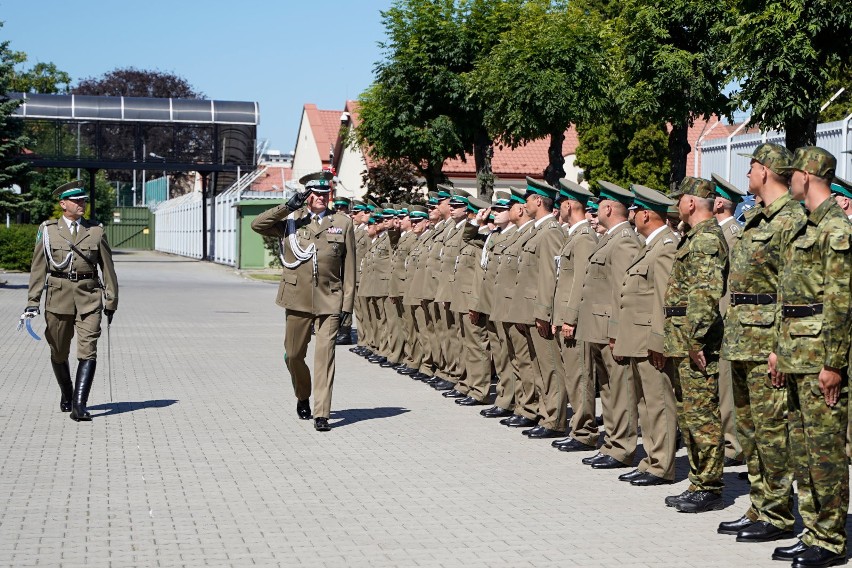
(16,246)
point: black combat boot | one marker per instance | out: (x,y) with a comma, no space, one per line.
(63,377)
(85,376)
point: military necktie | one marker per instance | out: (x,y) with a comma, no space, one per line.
(74,229)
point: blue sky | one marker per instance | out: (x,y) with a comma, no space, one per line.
(281,54)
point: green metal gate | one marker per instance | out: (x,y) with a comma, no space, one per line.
(131,228)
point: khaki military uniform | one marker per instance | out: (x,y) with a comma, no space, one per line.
(388,320)
(362,245)
(483,303)
(449,330)
(641,318)
(579,383)
(420,315)
(313,293)
(596,324)
(693,322)
(750,335)
(732,231)
(401,343)
(814,331)
(430,278)
(73,304)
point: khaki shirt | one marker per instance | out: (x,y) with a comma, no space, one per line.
(483,290)
(467,270)
(573,259)
(399,274)
(64,296)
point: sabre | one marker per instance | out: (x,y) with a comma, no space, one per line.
(28,323)
(109,361)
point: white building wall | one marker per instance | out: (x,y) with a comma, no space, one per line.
(352,164)
(306,159)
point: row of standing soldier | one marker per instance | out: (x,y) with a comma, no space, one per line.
(559,293)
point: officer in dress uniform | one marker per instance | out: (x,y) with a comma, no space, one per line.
(317,284)
(66,258)
(727,197)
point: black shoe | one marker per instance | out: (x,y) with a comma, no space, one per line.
(406,370)
(517,421)
(321,425)
(453,394)
(591,459)
(700,502)
(533,429)
(432,380)
(733,462)
(443,386)
(544,433)
(649,479)
(495,412)
(343,339)
(818,557)
(608,462)
(357,349)
(303,409)
(673,500)
(418,376)
(377,359)
(63,376)
(743,475)
(386,364)
(85,376)
(734,527)
(630,475)
(469,401)
(761,531)
(788,553)
(574,446)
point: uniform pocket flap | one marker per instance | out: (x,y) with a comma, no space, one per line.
(289,277)
(839,241)
(601,309)
(804,328)
(334,286)
(598,259)
(333,238)
(530,247)
(761,236)
(805,242)
(756,315)
(678,321)
(642,319)
(639,269)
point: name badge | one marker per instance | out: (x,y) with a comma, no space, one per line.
(334,230)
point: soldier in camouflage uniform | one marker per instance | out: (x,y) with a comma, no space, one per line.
(811,356)
(749,338)
(693,337)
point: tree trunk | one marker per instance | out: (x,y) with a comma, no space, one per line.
(555,160)
(433,175)
(483,151)
(801,131)
(679,149)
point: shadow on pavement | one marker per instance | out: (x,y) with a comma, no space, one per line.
(353,415)
(112,408)
(15,286)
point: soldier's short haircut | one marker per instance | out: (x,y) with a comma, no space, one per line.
(619,207)
(778,178)
(704,203)
(546,202)
(727,205)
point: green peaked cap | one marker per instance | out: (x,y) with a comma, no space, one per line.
(71,190)
(841,187)
(727,190)
(517,195)
(474,204)
(417,212)
(572,190)
(460,196)
(319,182)
(542,188)
(648,198)
(614,192)
(444,191)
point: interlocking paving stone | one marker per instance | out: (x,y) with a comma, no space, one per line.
(199,458)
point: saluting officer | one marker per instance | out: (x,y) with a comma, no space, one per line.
(317,284)
(66,258)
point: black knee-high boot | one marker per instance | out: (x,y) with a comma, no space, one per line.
(85,375)
(63,377)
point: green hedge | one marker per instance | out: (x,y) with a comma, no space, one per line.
(16,247)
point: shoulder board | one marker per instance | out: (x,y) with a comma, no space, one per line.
(586,230)
(627,233)
(50,222)
(668,241)
(734,228)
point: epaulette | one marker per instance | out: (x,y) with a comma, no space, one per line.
(735,228)
(627,233)
(586,230)
(50,222)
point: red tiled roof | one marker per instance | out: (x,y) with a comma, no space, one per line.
(273,178)
(354,120)
(528,160)
(325,125)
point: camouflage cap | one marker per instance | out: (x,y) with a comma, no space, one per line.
(699,187)
(774,156)
(814,160)
(841,187)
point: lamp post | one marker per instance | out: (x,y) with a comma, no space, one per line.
(153,155)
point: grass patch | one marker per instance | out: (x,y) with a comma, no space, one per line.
(265,276)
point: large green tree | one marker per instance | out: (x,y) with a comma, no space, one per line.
(785,52)
(667,67)
(546,73)
(12,138)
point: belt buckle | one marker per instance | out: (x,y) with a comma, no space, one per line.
(72,276)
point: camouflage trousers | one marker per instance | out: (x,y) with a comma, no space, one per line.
(817,450)
(700,422)
(761,417)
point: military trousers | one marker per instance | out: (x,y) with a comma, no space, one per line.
(360,318)
(618,402)
(424,331)
(297,335)
(727,405)
(655,396)
(473,337)
(438,328)
(498,344)
(700,423)
(367,323)
(411,348)
(60,330)
(519,341)
(579,388)
(394,329)
(450,344)
(550,387)
(817,449)
(762,427)
(378,325)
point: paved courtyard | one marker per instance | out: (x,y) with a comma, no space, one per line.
(199,458)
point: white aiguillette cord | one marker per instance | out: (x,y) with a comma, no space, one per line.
(302,254)
(49,257)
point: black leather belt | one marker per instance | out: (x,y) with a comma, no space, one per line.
(74,276)
(673,311)
(801,311)
(759,299)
